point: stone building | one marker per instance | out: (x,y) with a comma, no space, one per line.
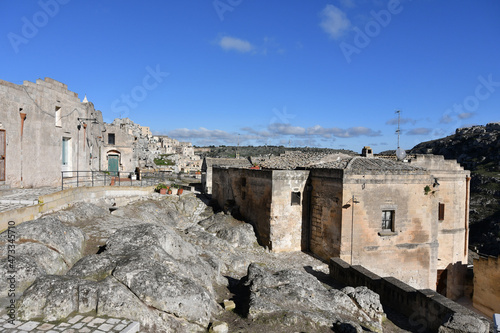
(209,163)
(407,220)
(126,146)
(46,129)
(486,285)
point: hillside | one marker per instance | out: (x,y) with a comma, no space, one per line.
(477,149)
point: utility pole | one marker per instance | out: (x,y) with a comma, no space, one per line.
(400,153)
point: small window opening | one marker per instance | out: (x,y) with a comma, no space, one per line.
(243,181)
(58,116)
(111,138)
(243,195)
(295,198)
(441,211)
(388,220)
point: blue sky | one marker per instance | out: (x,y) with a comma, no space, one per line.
(308,73)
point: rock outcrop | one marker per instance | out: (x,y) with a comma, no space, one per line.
(290,297)
(146,273)
(44,246)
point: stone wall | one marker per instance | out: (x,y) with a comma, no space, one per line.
(449,186)
(247,193)
(264,199)
(36,117)
(487,285)
(287,201)
(426,309)
(326,212)
(122,146)
(408,250)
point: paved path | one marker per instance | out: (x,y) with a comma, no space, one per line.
(16,198)
(77,323)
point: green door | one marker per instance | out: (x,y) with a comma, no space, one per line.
(113,165)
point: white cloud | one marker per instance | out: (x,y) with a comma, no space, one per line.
(286,129)
(394,121)
(420,131)
(446,119)
(274,131)
(202,132)
(236,44)
(465,115)
(334,21)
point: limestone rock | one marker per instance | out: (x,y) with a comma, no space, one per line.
(165,288)
(49,231)
(347,327)
(464,323)
(293,296)
(237,233)
(53,298)
(94,267)
(229,305)
(219,327)
(139,236)
(367,300)
(43,246)
(26,271)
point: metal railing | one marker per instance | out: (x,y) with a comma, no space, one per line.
(107,178)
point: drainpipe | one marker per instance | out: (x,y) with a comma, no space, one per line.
(467,189)
(23,118)
(352,227)
(308,193)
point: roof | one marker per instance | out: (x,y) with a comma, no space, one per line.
(296,159)
(380,165)
(227,162)
(351,164)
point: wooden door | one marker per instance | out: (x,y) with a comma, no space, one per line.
(113,161)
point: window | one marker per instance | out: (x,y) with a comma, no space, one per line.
(111,138)
(65,151)
(243,181)
(387,220)
(441,211)
(295,198)
(58,116)
(243,195)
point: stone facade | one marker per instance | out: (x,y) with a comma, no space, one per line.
(486,285)
(129,144)
(45,129)
(209,163)
(43,133)
(407,220)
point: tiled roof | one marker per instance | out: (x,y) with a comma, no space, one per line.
(357,164)
(228,162)
(296,159)
(373,164)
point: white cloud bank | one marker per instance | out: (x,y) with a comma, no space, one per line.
(334,21)
(235,44)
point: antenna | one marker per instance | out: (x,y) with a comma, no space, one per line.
(238,148)
(400,153)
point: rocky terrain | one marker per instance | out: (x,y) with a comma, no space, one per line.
(476,148)
(176,266)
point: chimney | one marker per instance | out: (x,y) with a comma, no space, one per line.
(367,152)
